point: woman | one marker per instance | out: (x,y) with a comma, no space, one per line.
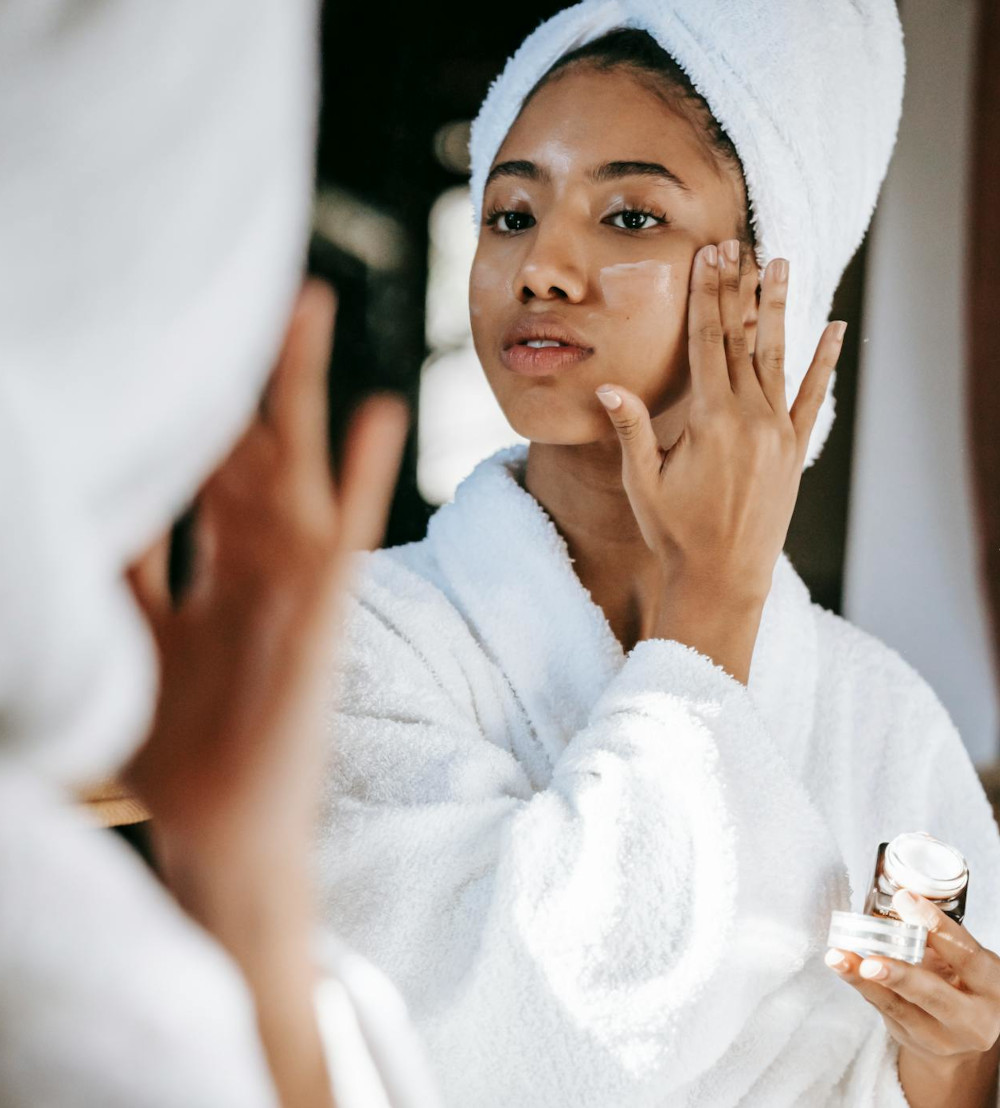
(153,244)
(603,771)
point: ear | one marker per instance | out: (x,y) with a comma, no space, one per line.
(750,301)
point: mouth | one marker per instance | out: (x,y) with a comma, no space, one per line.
(537,347)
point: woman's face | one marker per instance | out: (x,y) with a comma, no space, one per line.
(597,202)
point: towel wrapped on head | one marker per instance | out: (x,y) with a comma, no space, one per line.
(810,95)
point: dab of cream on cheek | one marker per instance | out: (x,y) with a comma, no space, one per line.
(631,284)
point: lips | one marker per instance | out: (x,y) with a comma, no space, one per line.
(536,347)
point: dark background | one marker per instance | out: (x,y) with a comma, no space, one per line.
(391,80)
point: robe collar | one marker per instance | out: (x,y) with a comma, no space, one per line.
(510,572)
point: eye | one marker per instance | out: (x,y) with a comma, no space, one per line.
(508,222)
(634,219)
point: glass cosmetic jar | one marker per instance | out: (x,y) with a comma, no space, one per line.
(868,935)
(925,865)
(915,861)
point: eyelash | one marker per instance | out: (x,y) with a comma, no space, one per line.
(659,218)
(493,217)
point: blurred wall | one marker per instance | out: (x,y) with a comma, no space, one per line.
(911,575)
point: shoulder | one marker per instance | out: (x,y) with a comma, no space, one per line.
(855,686)
(400,593)
(899,738)
(403,632)
(418,708)
(397,584)
(861,675)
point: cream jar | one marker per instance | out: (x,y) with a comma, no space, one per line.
(925,865)
(915,861)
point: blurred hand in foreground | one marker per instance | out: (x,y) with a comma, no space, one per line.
(231,771)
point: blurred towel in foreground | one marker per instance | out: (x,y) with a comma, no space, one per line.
(154,201)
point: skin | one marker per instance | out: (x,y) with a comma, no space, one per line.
(231,771)
(668,457)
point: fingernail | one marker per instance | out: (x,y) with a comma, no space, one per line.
(839,330)
(835,959)
(711,255)
(872,970)
(913,910)
(781,270)
(732,249)
(609,398)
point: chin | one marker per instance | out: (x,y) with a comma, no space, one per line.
(559,424)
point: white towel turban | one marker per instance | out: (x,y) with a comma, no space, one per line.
(154,201)
(809,92)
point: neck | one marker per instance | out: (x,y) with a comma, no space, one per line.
(581,489)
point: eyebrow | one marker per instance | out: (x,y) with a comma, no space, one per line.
(614,171)
(527,170)
(609,171)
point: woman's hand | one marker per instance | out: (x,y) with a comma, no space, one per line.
(944,1013)
(716,507)
(233,767)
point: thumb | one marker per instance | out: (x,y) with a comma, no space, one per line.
(630,418)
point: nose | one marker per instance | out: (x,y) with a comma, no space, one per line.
(550,269)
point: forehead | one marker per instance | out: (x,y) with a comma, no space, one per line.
(586,116)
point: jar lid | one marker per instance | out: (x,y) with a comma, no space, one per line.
(868,935)
(919,862)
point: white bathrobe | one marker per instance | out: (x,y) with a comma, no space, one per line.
(606,880)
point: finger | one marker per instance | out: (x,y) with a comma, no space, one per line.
(373,448)
(936,964)
(640,449)
(899,1032)
(843,961)
(296,399)
(846,963)
(149,581)
(769,352)
(741,373)
(706,341)
(204,552)
(923,988)
(917,1023)
(978,968)
(812,391)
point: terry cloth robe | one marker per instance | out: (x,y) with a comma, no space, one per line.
(605,880)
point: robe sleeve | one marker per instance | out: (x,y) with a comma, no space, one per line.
(602,940)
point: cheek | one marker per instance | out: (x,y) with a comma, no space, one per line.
(646,304)
(490,286)
(639,288)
